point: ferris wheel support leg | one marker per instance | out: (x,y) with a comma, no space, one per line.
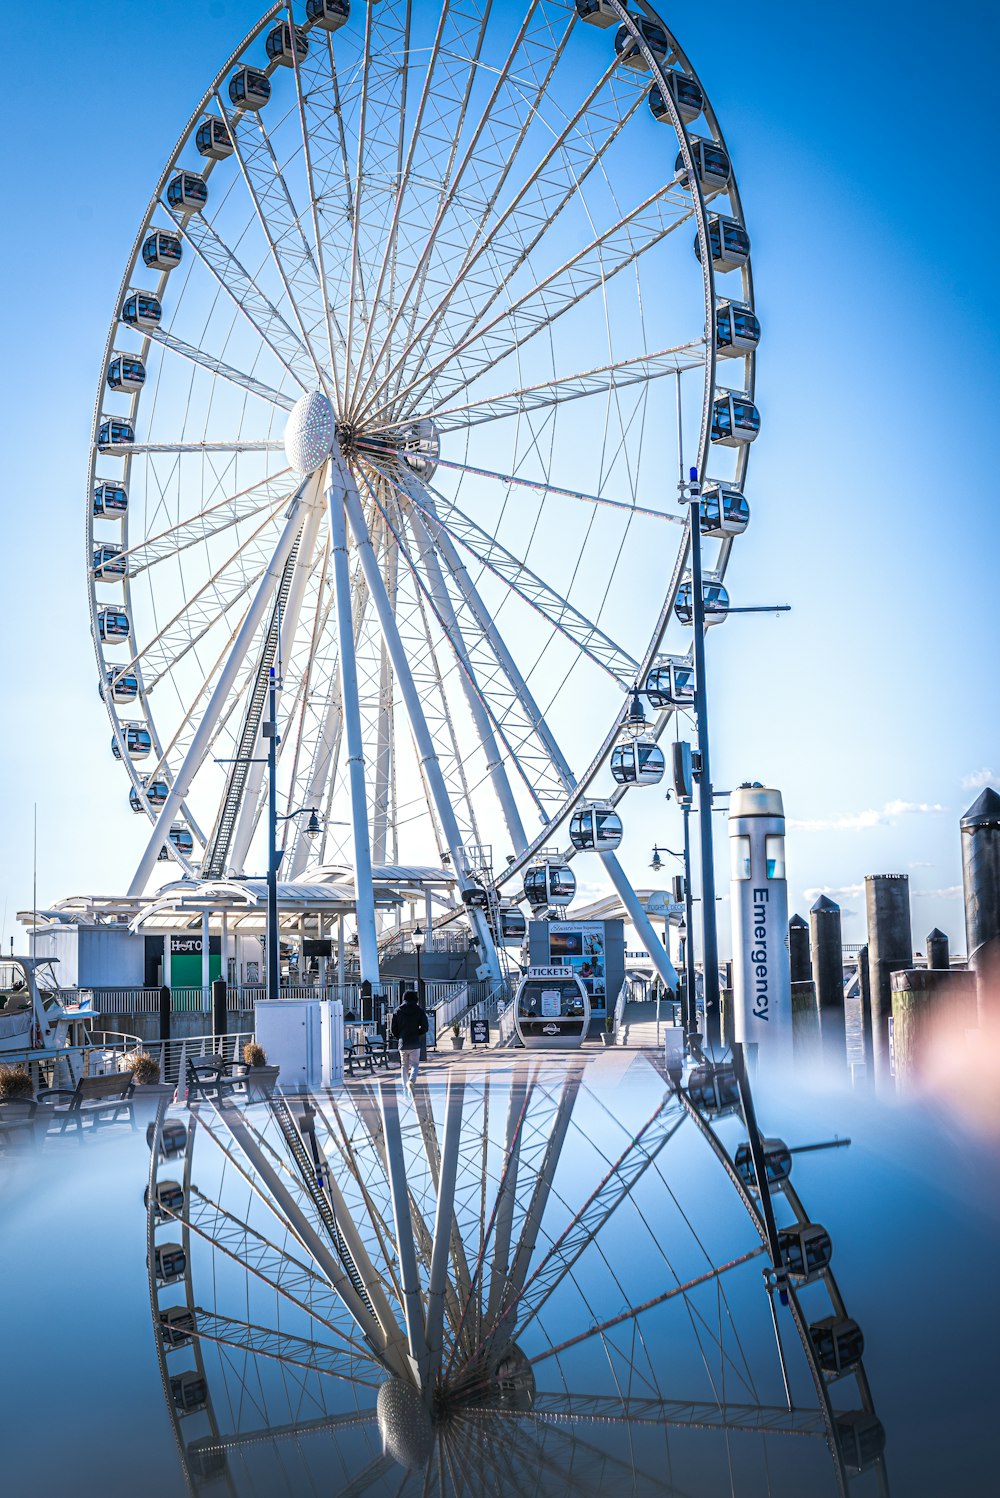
(443,1220)
(640,920)
(411,701)
(363,887)
(494,761)
(249,814)
(413,1311)
(203,734)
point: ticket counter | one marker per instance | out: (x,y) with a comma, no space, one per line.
(551,1009)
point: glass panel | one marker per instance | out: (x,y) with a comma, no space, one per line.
(775,852)
(739,853)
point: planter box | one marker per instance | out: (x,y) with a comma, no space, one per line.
(457,1042)
(145,1097)
(608,1037)
(261,1082)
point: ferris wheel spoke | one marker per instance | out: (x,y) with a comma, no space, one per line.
(219,367)
(614,1188)
(437,123)
(244,291)
(320,1425)
(606,378)
(481,346)
(207,606)
(491,151)
(287,1276)
(558,611)
(279,1345)
(268,494)
(206,726)
(542,487)
(681,1414)
(578,148)
(379,150)
(279,222)
(141,449)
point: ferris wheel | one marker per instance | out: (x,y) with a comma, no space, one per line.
(429,307)
(515,1283)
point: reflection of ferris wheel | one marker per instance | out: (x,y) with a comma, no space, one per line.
(455,244)
(511,1284)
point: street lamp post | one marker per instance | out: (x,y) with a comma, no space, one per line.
(419,937)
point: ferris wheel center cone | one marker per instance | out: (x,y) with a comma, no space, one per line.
(309,432)
(405,1424)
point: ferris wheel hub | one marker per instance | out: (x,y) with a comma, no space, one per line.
(309,432)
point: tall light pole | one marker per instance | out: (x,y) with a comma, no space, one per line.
(270,732)
(710,936)
(419,937)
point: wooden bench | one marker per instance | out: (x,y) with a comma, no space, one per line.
(100,1099)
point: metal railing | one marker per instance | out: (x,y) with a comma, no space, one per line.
(65,1065)
(238,996)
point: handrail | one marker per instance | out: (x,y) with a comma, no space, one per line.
(624,994)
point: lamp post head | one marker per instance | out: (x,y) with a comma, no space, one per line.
(635,718)
(313,828)
(419,937)
(657,863)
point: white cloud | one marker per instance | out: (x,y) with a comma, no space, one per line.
(953,892)
(919,865)
(860,821)
(840,892)
(978,779)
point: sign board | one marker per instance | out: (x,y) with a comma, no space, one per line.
(549,972)
(431,1039)
(551,1006)
(658,904)
(479,1030)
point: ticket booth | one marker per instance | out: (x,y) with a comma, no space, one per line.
(551,1009)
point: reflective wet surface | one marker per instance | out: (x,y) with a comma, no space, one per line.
(595,1317)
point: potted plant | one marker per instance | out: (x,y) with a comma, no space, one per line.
(261,1079)
(146,1084)
(457,1038)
(15,1083)
(608,1033)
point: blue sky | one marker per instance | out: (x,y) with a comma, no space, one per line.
(860,149)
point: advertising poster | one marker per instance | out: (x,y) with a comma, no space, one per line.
(581,948)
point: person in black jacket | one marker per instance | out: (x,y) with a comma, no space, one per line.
(409,1026)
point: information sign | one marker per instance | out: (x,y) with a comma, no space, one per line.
(480,1031)
(551,1007)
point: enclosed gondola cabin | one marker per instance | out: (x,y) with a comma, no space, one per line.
(173,1138)
(329,14)
(187,192)
(777,1163)
(724,511)
(161,250)
(177,1323)
(110,500)
(598,13)
(141,309)
(728,241)
(120,688)
(861,1438)
(422,448)
(689,101)
(108,563)
(280,43)
(628,49)
(713,1089)
(595,828)
(711,164)
(114,431)
(670,682)
(513,926)
(112,624)
(735,419)
(806,1249)
(213,140)
(126,372)
(551,1012)
(180,838)
(156,792)
(138,742)
(249,89)
(838,1342)
(189,1392)
(737,329)
(170,1262)
(716,602)
(551,882)
(637,762)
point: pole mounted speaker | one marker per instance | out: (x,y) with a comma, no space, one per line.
(682,767)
